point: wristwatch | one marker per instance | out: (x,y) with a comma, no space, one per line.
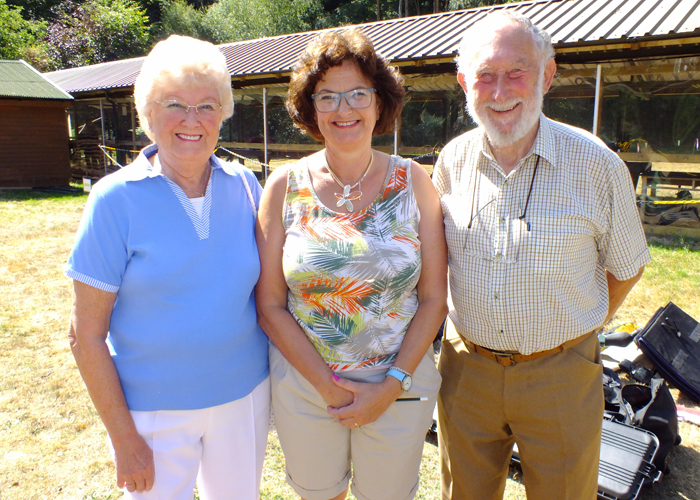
(402,376)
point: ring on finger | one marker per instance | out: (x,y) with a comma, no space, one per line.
(356,424)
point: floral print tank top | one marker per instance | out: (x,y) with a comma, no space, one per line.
(352,277)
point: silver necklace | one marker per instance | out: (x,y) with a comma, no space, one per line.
(348,196)
(206,181)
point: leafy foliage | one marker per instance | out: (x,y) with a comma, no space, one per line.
(178,17)
(232,20)
(97,31)
(35,9)
(55,34)
(19,38)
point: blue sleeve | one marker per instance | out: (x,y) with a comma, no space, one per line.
(100,255)
(255,187)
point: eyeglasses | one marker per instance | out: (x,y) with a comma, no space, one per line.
(205,110)
(326,102)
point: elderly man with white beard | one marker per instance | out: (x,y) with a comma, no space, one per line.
(544,244)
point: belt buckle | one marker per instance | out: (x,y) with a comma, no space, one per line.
(505,359)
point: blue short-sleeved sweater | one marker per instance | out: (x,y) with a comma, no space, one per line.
(183,332)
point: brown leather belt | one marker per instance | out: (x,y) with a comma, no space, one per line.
(508,359)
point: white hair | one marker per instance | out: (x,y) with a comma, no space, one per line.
(181,61)
(481,32)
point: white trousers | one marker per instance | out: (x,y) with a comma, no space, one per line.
(222,448)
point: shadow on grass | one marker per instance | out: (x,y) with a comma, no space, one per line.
(674,242)
(41,193)
(683,482)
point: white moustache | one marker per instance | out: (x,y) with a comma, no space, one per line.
(503,106)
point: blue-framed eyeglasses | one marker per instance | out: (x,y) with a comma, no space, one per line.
(326,102)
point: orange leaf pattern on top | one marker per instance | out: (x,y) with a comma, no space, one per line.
(352,277)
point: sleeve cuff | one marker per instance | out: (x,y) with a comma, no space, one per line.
(90,281)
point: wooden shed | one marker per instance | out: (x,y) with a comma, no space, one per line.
(34,148)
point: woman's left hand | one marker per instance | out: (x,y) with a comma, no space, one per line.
(370,402)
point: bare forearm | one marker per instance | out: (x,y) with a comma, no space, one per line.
(88,333)
(89,327)
(421,333)
(618,290)
(102,381)
(286,334)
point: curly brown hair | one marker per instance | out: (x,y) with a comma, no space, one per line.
(330,49)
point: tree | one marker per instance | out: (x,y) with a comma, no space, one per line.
(233,20)
(20,38)
(177,17)
(97,31)
(35,9)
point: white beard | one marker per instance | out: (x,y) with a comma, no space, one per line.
(498,135)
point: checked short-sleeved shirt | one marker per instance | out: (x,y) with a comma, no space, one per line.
(524,275)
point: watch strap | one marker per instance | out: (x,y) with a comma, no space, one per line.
(399,375)
(402,371)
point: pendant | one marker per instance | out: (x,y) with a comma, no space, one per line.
(347,197)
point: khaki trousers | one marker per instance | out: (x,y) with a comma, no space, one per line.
(551,407)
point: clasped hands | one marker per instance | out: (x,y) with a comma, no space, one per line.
(354,404)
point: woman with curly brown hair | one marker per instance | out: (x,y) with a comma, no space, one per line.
(353,283)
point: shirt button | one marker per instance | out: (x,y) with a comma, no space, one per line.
(498,257)
(500,332)
(502,219)
(495,295)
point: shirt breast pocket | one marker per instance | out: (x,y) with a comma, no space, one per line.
(562,247)
(468,234)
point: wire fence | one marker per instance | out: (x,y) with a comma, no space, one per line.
(108,151)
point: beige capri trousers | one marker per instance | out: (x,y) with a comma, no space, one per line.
(383,458)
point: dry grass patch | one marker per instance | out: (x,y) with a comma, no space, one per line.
(53,445)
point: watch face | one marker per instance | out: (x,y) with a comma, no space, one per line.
(406,384)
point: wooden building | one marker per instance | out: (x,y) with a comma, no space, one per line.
(628,71)
(33,133)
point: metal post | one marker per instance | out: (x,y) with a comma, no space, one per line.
(265,130)
(133,122)
(102,122)
(598,104)
(396,136)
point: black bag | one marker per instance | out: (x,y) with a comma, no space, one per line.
(671,341)
(650,407)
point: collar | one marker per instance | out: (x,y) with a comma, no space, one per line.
(145,169)
(543,146)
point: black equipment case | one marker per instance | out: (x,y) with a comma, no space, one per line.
(626,456)
(671,342)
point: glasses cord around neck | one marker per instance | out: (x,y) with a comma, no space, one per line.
(527,200)
(529,192)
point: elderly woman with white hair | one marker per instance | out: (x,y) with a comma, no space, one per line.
(164,327)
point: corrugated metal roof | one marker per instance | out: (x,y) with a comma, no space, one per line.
(19,80)
(110,75)
(436,37)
